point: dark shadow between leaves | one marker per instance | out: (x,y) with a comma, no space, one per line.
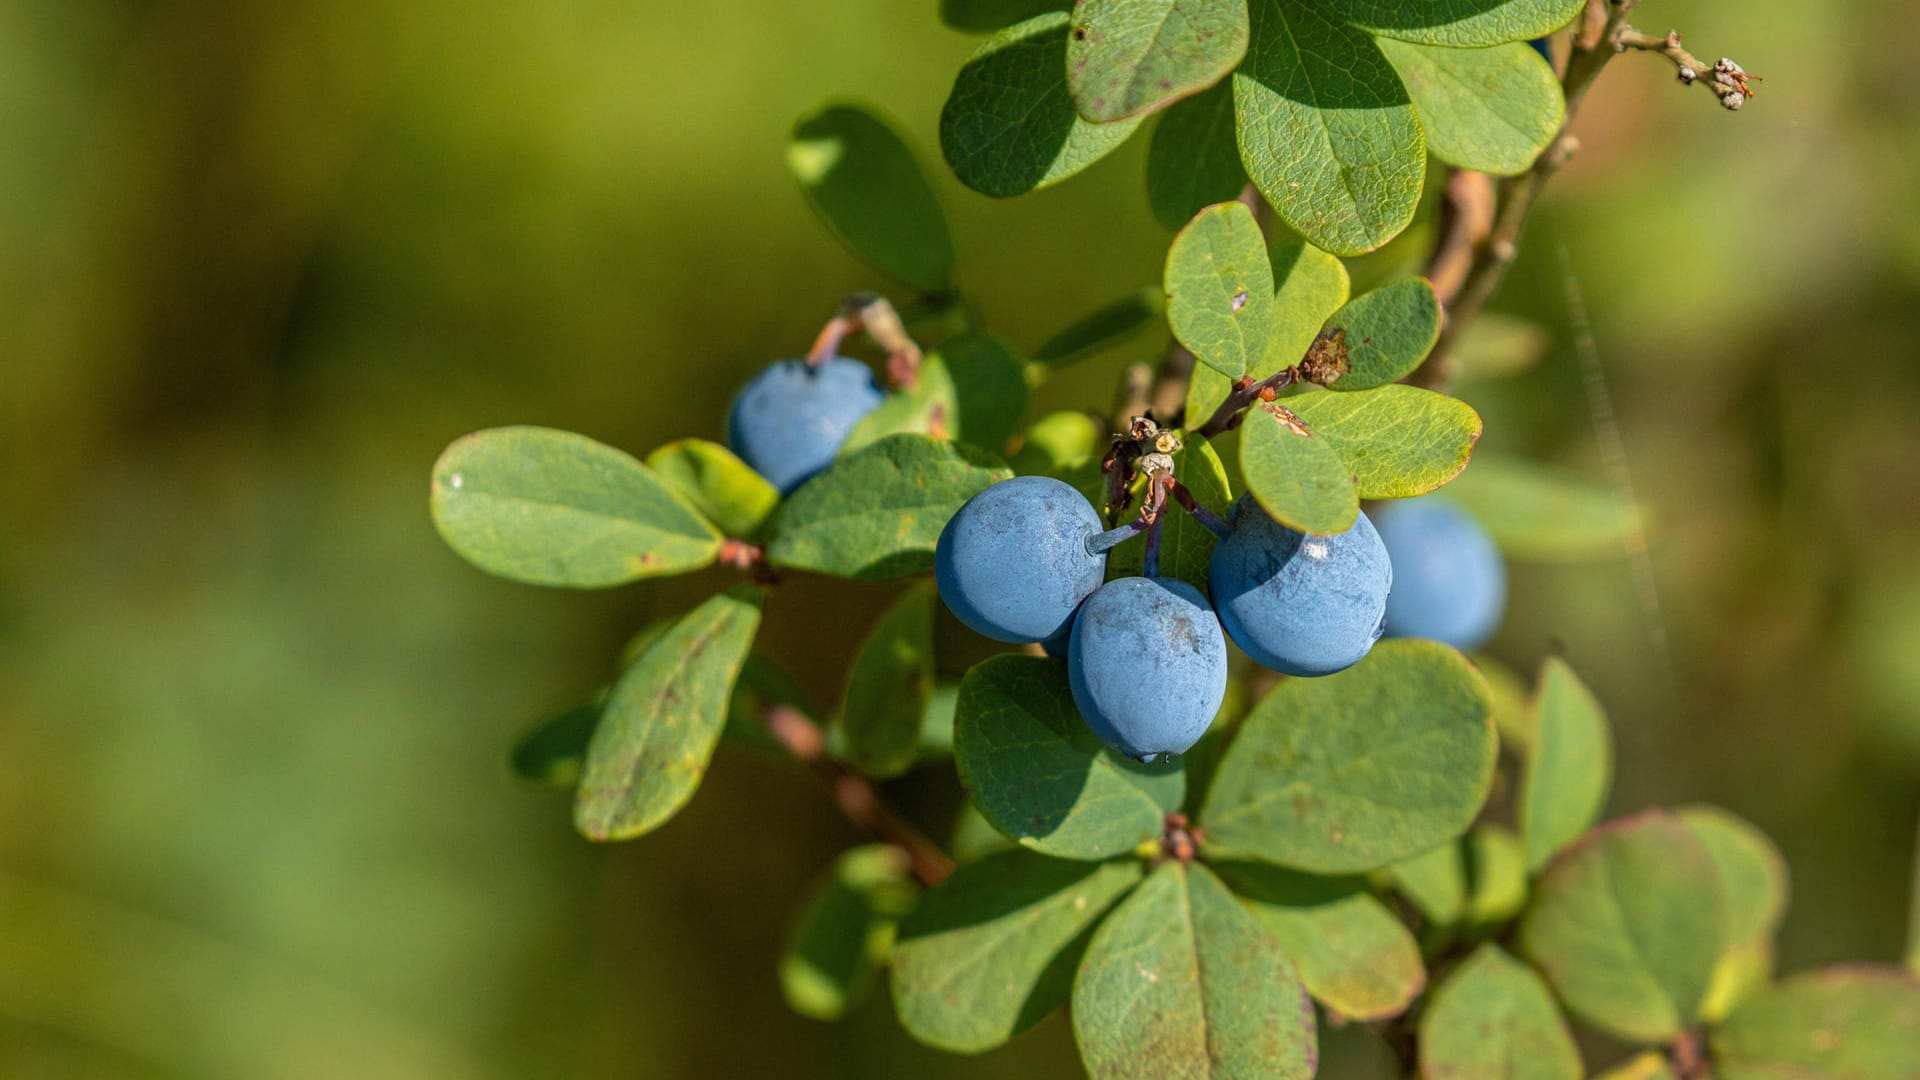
(1278,886)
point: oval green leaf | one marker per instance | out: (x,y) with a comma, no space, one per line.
(1478,880)
(888,688)
(877,514)
(1101,328)
(1852,1022)
(1491,110)
(1186,546)
(1298,478)
(1059,441)
(1357,770)
(1753,875)
(1626,926)
(991,950)
(553,508)
(1396,441)
(1009,126)
(1327,133)
(551,753)
(663,718)
(1464,24)
(1220,289)
(845,930)
(1130,57)
(1494,1017)
(1309,286)
(1181,980)
(1569,770)
(1352,954)
(867,186)
(1533,512)
(716,483)
(1194,160)
(1384,334)
(1040,776)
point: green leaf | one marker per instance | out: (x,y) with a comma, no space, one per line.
(991,950)
(867,186)
(1039,775)
(1477,880)
(1182,981)
(1533,512)
(1492,110)
(888,688)
(936,723)
(1130,57)
(1309,286)
(1009,126)
(986,16)
(989,389)
(717,484)
(845,931)
(1354,956)
(1626,926)
(1753,875)
(929,409)
(1194,160)
(1060,441)
(1494,1017)
(553,508)
(1512,705)
(1102,328)
(1459,23)
(1840,1023)
(1359,769)
(1384,334)
(1396,441)
(1743,971)
(551,753)
(878,513)
(1220,289)
(1186,546)
(1567,775)
(1326,131)
(663,718)
(1300,479)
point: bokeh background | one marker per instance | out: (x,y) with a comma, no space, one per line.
(260,262)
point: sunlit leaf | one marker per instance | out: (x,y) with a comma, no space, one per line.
(553,508)
(1569,770)
(845,931)
(1220,289)
(1381,336)
(1130,57)
(1458,23)
(716,483)
(1491,110)
(1396,441)
(1298,477)
(1356,770)
(867,186)
(1354,956)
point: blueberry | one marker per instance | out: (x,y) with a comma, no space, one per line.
(1450,584)
(789,422)
(1148,665)
(1299,604)
(1013,563)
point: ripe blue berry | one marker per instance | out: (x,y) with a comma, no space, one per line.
(1449,582)
(1299,604)
(1148,665)
(789,422)
(1013,563)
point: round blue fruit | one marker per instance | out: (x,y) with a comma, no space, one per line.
(790,421)
(1013,563)
(1148,665)
(1300,604)
(1449,583)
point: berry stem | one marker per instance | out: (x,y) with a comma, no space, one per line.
(871,312)
(1214,523)
(1150,564)
(1101,543)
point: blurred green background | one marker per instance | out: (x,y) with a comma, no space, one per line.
(260,262)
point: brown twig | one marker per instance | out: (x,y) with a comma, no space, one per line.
(1245,392)
(871,312)
(856,795)
(1603,33)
